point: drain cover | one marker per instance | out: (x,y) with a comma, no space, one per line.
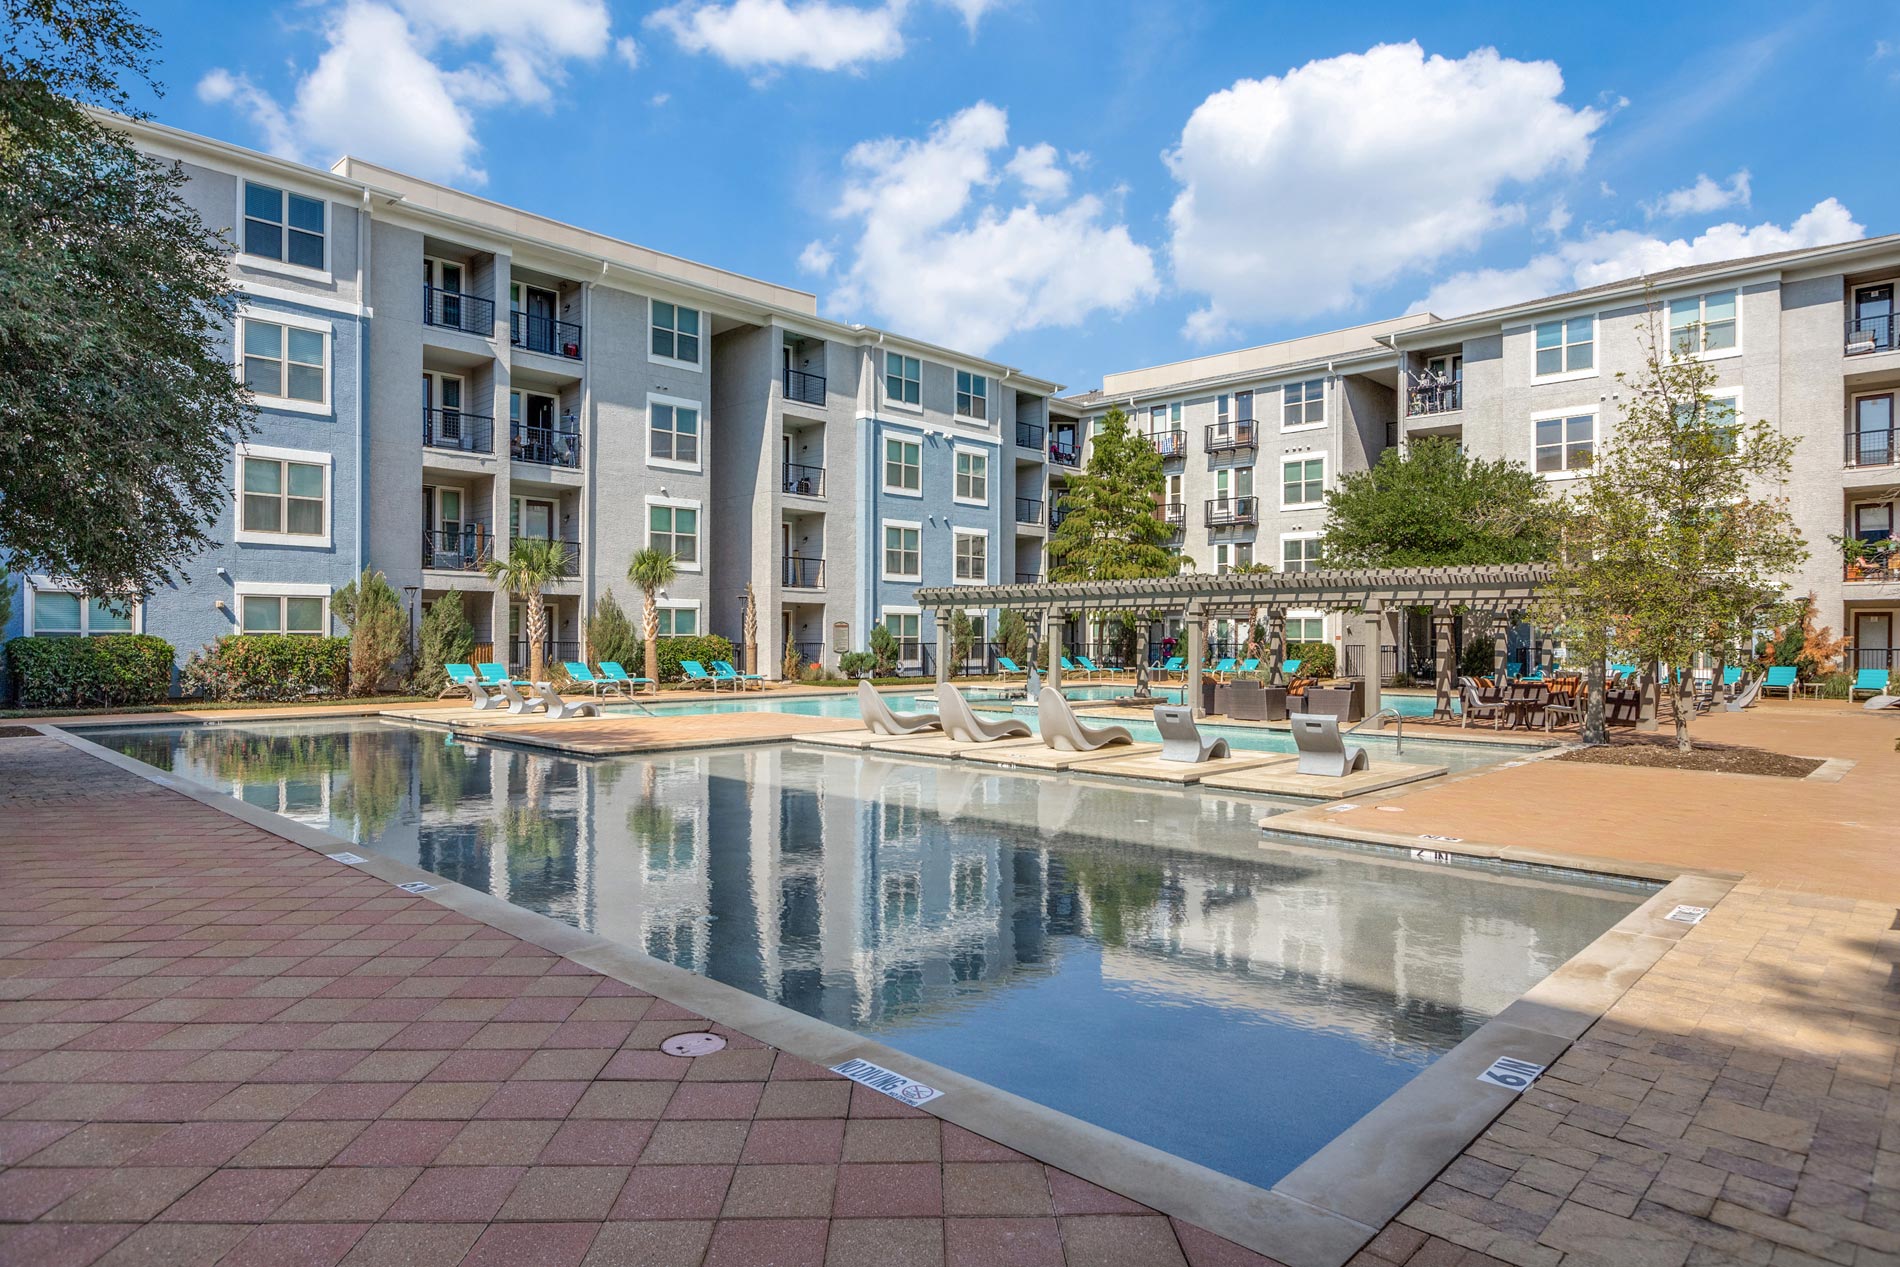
(692,1044)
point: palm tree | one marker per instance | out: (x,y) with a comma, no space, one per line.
(652,571)
(531,566)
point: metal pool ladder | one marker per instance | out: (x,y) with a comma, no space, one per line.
(1398,722)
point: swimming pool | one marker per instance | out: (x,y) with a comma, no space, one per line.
(1139,959)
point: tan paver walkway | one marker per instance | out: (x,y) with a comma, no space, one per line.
(219,1047)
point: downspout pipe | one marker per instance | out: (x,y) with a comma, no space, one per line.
(363,319)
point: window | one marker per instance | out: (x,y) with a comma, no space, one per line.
(675,333)
(907,628)
(1299,554)
(1565,444)
(282,497)
(1302,482)
(1303,404)
(1723,414)
(973,476)
(903,466)
(301,614)
(1157,419)
(283,226)
(675,529)
(902,560)
(903,379)
(59,613)
(973,557)
(673,431)
(285,362)
(973,391)
(1703,323)
(1305,629)
(1243,406)
(1566,347)
(678,622)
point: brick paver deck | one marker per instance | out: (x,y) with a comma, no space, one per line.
(219,1047)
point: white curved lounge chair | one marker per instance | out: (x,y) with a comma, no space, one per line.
(964,726)
(882,721)
(1181,738)
(1745,697)
(1322,751)
(1061,731)
(558,708)
(1879,702)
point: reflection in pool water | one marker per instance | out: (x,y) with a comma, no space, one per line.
(1237,1003)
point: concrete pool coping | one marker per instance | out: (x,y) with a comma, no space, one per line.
(1319,1215)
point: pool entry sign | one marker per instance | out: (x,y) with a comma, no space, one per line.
(878,1078)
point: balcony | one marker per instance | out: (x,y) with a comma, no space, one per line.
(1425,399)
(805,389)
(1225,437)
(804,481)
(1065,452)
(1174,514)
(1875,566)
(1029,578)
(1870,334)
(456,311)
(544,335)
(1169,444)
(1056,516)
(458,432)
(1226,511)
(1870,448)
(544,446)
(1029,436)
(802,572)
(1028,510)
(464,550)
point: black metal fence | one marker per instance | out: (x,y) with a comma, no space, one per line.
(1169,444)
(545,335)
(1028,510)
(469,313)
(1028,435)
(1434,398)
(553,652)
(1065,452)
(458,431)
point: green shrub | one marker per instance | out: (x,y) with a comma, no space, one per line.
(1317,659)
(270,667)
(1476,660)
(704,648)
(884,650)
(90,672)
(446,637)
(611,635)
(379,628)
(1835,685)
(856,663)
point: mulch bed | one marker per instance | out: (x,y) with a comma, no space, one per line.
(1658,752)
(19,732)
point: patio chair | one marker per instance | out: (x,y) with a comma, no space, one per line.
(1472,703)
(1247,701)
(461,677)
(1181,738)
(1290,668)
(1322,751)
(559,709)
(1225,668)
(963,725)
(1780,678)
(1007,665)
(1569,707)
(882,721)
(581,675)
(494,674)
(481,697)
(1879,702)
(518,703)
(1251,665)
(1090,667)
(1873,681)
(1070,666)
(617,676)
(1061,731)
(696,675)
(724,668)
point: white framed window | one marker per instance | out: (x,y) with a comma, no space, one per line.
(56,610)
(973,477)
(973,396)
(903,380)
(283,608)
(290,228)
(1299,552)
(1723,412)
(906,625)
(284,359)
(678,620)
(1706,325)
(972,556)
(673,433)
(673,526)
(903,466)
(675,338)
(1302,483)
(903,551)
(1563,443)
(1566,346)
(1303,405)
(1307,626)
(1243,406)
(283,496)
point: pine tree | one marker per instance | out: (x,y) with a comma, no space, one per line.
(1109,530)
(446,637)
(379,628)
(611,636)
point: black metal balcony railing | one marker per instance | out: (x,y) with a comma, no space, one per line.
(1029,578)
(469,313)
(457,431)
(1065,452)
(1029,435)
(1871,334)
(805,481)
(460,550)
(1028,510)
(1056,516)
(570,557)
(1231,510)
(545,335)
(802,572)
(1223,437)
(1169,444)
(544,446)
(1174,513)
(1434,398)
(1882,567)
(1870,448)
(806,389)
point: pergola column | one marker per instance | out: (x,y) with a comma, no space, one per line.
(1196,652)
(1276,643)
(1500,644)
(1370,626)
(1052,637)
(1442,665)
(943,645)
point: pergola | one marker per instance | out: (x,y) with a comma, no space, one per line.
(1500,592)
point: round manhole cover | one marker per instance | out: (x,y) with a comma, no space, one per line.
(692,1044)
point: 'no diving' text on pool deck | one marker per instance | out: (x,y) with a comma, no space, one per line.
(1512,1075)
(878,1078)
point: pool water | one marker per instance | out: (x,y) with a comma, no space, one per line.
(1140,959)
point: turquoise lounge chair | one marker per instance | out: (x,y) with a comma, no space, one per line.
(1731,675)
(1225,667)
(1780,678)
(1070,666)
(494,674)
(1007,665)
(1089,666)
(1291,668)
(1250,665)
(725,669)
(461,677)
(611,670)
(1176,664)
(1873,681)
(581,675)
(696,675)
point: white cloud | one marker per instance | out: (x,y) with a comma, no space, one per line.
(972,10)
(765,35)
(942,251)
(816,258)
(1558,219)
(401,82)
(1702,197)
(1617,254)
(1037,167)
(1301,192)
(627,49)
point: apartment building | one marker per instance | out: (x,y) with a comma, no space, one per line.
(438,376)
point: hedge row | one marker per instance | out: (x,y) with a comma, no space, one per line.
(107,671)
(269,667)
(704,648)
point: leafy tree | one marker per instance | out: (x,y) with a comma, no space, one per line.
(610,634)
(1811,647)
(6,598)
(1436,506)
(379,628)
(1109,530)
(652,571)
(533,564)
(1676,543)
(446,637)
(884,650)
(114,317)
(1012,634)
(962,638)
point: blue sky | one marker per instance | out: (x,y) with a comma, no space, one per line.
(1079,186)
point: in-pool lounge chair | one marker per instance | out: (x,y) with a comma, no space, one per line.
(882,721)
(724,670)
(1872,681)
(1879,702)
(517,702)
(1745,695)
(581,675)
(696,675)
(1322,751)
(1061,731)
(962,724)
(544,695)
(1780,678)
(1181,738)
(611,671)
